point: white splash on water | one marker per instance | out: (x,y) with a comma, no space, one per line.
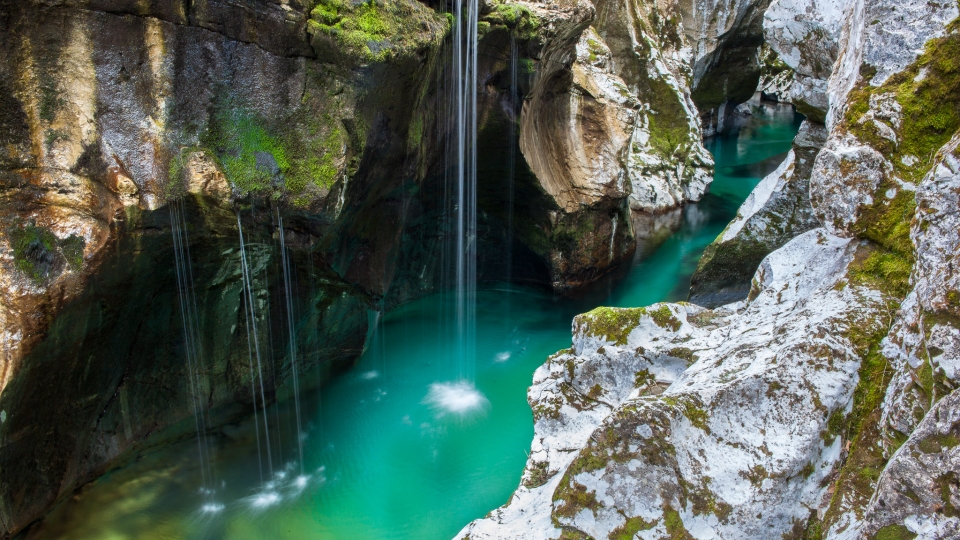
(502,357)
(368,375)
(460,398)
(264,499)
(212,508)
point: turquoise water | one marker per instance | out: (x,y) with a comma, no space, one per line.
(383,461)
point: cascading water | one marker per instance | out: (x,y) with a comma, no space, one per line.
(380,463)
(193,351)
(253,345)
(465,131)
(461,397)
(291,336)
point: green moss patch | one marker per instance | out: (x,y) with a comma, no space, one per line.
(614,324)
(885,271)
(629,530)
(866,459)
(894,532)
(573,498)
(39,254)
(665,319)
(674,524)
(250,156)
(519,19)
(377,30)
(928,91)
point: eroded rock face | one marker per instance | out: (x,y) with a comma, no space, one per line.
(805,35)
(609,122)
(775,212)
(725,38)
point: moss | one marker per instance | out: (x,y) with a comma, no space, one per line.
(934,444)
(238,137)
(51,99)
(643,378)
(53,136)
(629,530)
(572,534)
(835,425)
(894,532)
(574,498)
(38,254)
(866,459)
(515,17)
(538,476)
(884,270)
(703,501)
(377,30)
(696,414)
(614,324)
(756,475)
(674,524)
(317,166)
(948,484)
(72,249)
(929,93)
(664,318)
(595,392)
(684,354)
(669,132)
(807,470)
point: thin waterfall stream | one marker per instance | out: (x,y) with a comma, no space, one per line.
(379,459)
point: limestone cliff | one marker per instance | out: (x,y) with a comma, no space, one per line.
(824,404)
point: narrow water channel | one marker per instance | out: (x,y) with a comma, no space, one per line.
(382,460)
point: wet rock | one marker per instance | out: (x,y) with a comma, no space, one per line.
(725,38)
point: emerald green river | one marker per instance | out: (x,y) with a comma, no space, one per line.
(384,456)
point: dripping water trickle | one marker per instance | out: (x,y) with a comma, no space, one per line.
(291,336)
(253,346)
(193,350)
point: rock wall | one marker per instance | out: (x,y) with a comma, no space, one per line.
(824,404)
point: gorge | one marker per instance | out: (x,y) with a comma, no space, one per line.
(247,290)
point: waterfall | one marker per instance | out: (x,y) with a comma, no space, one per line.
(511,151)
(253,346)
(292,336)
(465,145)
(189,315)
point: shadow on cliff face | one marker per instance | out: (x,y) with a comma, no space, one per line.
(110,375)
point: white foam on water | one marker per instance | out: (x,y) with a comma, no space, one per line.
(368,375)
(264,499)
(502,357)
(212,508)
(459,398)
